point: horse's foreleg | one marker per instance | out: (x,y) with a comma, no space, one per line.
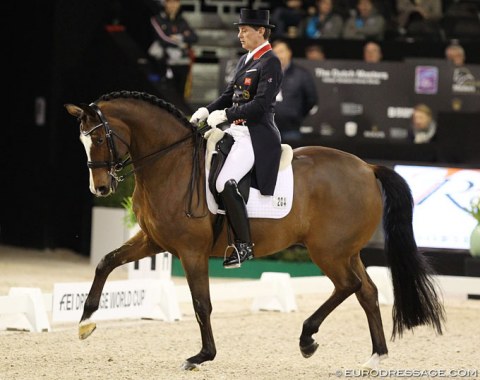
(135,249)
(346,283)
(196,271)
(367,296)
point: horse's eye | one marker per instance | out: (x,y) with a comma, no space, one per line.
(97,139)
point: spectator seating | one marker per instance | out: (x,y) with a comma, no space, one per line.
(461,27)
(424,30)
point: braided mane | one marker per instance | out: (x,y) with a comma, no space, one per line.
(152,99)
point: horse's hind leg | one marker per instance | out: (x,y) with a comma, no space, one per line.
(367,296)
(346,283)
(136,248)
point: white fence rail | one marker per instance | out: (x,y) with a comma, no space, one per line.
(27,309)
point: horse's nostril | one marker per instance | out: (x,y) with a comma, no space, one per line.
(103,190)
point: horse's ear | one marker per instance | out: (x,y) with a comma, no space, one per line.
(80,111)
(73,110)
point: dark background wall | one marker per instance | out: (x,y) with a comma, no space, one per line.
(58,51)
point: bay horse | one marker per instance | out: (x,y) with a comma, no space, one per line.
(339,201)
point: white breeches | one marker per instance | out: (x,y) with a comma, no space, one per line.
(240,159)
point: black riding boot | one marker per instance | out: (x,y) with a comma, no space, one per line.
(237,217)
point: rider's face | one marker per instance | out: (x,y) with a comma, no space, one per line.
(250,38)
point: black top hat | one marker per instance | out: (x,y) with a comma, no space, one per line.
(253,17)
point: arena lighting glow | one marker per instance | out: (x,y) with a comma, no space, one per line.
(439,194)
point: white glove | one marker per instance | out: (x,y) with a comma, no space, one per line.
(156,50)
(216,118)
(199,115)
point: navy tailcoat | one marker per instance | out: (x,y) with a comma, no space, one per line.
(250,98)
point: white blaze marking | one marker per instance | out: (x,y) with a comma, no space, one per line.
(87,144)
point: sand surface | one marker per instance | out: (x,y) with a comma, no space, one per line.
(261,345)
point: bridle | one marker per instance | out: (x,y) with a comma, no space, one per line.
(116,163)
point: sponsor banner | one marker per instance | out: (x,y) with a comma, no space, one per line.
(359,100)
(119,299)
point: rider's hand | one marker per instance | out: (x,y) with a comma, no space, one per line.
(216,118)
(199,115)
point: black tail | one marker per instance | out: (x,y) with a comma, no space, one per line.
(416,301)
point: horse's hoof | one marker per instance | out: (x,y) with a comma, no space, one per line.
(188,366)
(86,329)
(309,350)
(373,362)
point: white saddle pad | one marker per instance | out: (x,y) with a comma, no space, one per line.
(274,206)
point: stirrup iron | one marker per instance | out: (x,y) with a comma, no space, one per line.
(241,253)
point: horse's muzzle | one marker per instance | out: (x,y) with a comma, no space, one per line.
(104,191)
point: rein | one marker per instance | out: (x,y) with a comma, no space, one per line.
(116,163)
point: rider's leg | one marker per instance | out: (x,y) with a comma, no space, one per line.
(238,163)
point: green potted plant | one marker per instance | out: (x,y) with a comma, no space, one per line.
(472,264)
(130,219)
(474,210)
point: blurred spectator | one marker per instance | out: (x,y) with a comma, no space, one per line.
(455,54)
(409,10)
(424,126)
(297,95)
(288,19)
(372,52)
(171,47)
(462,75)
(365,22)
(310,6)
(412,11)
(314,53)
(325,23)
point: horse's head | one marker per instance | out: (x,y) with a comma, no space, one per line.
(103,153)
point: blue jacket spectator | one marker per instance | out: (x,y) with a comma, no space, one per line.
(325,23)
(365,23)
